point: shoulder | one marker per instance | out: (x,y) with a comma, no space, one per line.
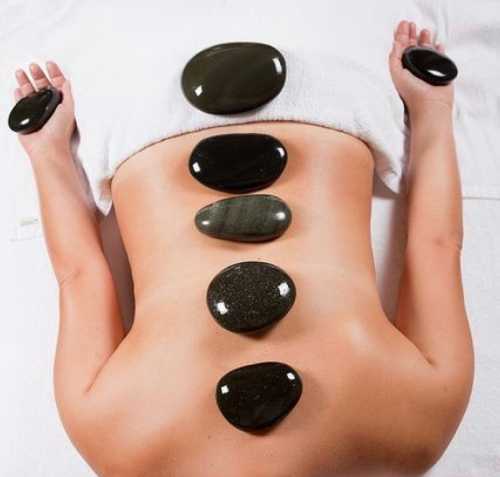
(406,410)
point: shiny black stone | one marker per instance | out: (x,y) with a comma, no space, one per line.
(238,163)
(233,77)
(429,65)
(258,395)
(31,112)
(247,218)
(248,296)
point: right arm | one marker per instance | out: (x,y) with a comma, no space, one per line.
(431,310)
(433,180)
(90,324)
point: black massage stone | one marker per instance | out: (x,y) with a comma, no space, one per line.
(429,65)
(233,77)
(247,218)
(31,112)
(258,395)
(248,296)
(238,163)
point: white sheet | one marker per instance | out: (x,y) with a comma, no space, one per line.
(32,440)
(128,76)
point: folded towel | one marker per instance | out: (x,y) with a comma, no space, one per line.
(125,62)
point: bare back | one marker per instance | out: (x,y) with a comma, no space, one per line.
(379,399)
(162,378)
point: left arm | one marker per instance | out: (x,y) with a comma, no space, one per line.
(69,219)
(90,327)
(70,225)
(90,324)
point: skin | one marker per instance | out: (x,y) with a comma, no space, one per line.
(379,399)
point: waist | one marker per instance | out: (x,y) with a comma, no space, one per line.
(327,184)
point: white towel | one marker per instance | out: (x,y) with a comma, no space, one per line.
(125,61)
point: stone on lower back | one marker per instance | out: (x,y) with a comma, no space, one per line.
(258,395)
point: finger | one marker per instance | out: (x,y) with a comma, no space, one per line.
(400,28)
(397,50)
(395,56)
(425,38)
(55,74)
(413,34)
(18,94)
(24,82)
(67,95)
(41,81)
(403,36)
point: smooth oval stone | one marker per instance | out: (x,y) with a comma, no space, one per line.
(248,218)
(31,112)
(429,65)
(238,163)
(258,395)
(248,296)
(233,77)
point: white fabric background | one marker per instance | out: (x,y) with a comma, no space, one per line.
(32,440)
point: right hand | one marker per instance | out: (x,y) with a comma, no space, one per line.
(417,94)
(56,133)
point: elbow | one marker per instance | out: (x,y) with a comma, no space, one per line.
(66,276)
(451,242)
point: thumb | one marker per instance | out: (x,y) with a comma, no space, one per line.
(67,99)
(66,88)
(395,57)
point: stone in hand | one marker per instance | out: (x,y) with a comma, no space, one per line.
(31,112)
(429,65)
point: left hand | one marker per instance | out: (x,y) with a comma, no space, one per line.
(56,133)
(418,95)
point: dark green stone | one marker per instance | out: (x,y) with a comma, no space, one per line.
(248,218)
(258,395)
(248,296)
(238,162)
(31,112)
(429,65)
(233,77)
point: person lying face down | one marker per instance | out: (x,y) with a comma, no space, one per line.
(259,344)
